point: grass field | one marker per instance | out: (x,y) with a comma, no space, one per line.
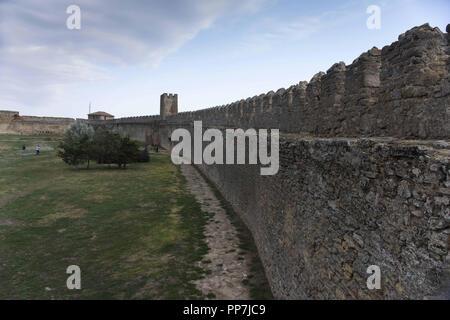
(135,233)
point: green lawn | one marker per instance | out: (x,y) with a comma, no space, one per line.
(135,233)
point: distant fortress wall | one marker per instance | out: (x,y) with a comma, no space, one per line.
(145,128)
(12,123)
(364,173)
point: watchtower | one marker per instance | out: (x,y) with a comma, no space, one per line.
(168,105)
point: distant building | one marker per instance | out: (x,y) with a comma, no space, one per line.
(100,115)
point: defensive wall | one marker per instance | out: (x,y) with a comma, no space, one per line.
(364,173)
(11,122)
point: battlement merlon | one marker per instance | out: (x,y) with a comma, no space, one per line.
(168,105)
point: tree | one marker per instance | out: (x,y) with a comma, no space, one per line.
(81,143)
(105,146)
(76,147)
(128,152)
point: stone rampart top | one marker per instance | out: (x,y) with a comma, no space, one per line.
(8,112)
(402,90)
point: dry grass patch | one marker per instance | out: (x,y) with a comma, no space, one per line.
(98,197)
(66,212)
(10,223)
(148,204)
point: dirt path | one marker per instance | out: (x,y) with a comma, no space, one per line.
(228,268)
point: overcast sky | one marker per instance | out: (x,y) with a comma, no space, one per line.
(210,52)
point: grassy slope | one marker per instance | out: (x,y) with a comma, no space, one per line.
(135,233)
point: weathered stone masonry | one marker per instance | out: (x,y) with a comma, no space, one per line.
(339,205)
(12,123)
(364,173)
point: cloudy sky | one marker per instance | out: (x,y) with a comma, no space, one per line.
(210,52)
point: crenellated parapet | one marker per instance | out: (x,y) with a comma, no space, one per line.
(128,120)
(400,91)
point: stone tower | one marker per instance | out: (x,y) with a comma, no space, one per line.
(169,105)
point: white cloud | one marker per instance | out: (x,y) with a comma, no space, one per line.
(275,31)
(39,56)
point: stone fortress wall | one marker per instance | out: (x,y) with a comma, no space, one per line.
(363,179)
(12,123)
(399,91)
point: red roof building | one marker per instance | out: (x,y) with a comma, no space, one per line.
(100,115)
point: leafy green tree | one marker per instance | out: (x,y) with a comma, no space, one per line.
(82,144)
(76,148)
(105,146)
(128,152)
